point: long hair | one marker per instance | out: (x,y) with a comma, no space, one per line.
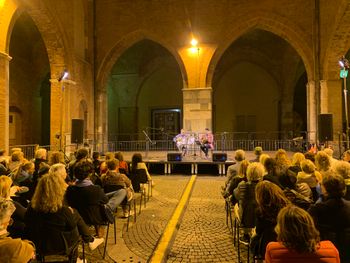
(5,186)
(270,199)
(296,230)
(136,158)
(281,158)
(243,168)
(56,157)
(322,161)
(49,194)
(26,166)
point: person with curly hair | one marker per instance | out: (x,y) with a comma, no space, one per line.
(298,240)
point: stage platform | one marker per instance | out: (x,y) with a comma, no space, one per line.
(158,163)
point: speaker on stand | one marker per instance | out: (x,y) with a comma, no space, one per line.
(325,127)
(77,136)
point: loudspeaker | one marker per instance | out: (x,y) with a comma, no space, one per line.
(325,127)
(174,157)
(77,135)
(219,157)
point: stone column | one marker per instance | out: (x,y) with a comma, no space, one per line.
(311,111)
(197,109)
(4,100)
(56,111)
(324,97)
(101,130)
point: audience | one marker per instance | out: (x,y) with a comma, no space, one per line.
(123,165)
(232,170)
(298,240)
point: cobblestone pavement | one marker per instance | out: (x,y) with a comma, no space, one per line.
(203,235)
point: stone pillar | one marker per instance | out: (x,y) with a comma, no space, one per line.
(4,100)
(197,109)
(56,111)
(324,97)
(311,111)
(101,130)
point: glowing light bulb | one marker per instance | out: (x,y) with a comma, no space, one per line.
(194,42)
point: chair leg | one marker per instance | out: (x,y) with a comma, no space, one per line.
(106,241)
(128,220)
(83,245)
(140,202)
(238,247)
(115,229)
(134,210)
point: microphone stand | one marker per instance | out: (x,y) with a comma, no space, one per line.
(148,141)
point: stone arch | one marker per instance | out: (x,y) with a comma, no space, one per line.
(274,24)
(110,59)
(337,46)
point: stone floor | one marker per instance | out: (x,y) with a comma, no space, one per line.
(202,235)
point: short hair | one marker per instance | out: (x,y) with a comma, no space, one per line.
(58,169)
(41,153)
(81,153)
(5,186)
(329,151)
(342,168)
(255,172)
(270,165)
(83,169)
(310,156)
(49,194)
(6,210)
(17,156)
(296,230)
(334,185)
(239,155)
(112,164)
(119,156)
(298,158)
(258,150)
(322,161)
(95,155)
(307,166)
(56,157)
(16,149)
(110,155)
(263,157)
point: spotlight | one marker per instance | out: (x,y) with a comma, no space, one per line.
(194,42)
(63,76)
(343,63)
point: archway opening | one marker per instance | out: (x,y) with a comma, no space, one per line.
(258,88)
(144,93)
(29,84)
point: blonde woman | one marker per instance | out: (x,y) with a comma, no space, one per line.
(48,219)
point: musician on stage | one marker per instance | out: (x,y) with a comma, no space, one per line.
(206,141)
(181,142)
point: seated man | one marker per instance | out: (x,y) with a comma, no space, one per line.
(12,250)
(207,141)
(181,142)
(332,214)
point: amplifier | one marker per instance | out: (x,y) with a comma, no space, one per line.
(174,157)
(219,157)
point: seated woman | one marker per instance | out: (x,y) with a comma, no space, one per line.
(7,191)
(24,175)
(123,165)
(299,240)
(53,226)
(137,163)
(310,176)
(86,197)
(270,200)
(12,250)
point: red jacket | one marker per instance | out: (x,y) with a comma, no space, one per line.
(278,253)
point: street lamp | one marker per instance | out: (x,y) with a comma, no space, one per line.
(344,67)
(61,79)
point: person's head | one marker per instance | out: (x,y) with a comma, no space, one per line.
(334,185)
(110,155)
(6,210)
(119,156)
(243,168)
(5,186)
(112,164)
(296,230)
(289,179)
(16,149)
(83,169)
(307,166)
(182,131)
(270,165)
(297,158)
(58,169)
(310,156)
(322,161)
(329,151)
(270,199)
(342,168)
(41,153)
(49,194)
(207,130)
(56,157)
(17,156)
(95,155)
(2,152)
(28,167)
(239,155)
(136,158)
(255,172)
(281,157)
(263,157)
(346,156)
(82,153)
(258,150)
